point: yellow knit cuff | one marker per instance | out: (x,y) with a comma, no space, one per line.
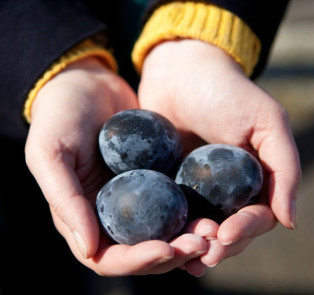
(82,50)
(200,21)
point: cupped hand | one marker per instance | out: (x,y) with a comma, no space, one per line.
(200,89)
(62,154)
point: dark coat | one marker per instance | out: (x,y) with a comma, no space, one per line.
(34,33)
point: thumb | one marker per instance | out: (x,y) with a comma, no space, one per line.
(279,155)
(63,191)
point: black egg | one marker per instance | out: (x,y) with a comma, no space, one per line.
(227,176)
(141,205)
(140,139)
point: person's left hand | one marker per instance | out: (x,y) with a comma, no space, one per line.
(205,94)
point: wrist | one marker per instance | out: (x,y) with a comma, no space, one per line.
(199,21)
(198,72)
(81,80)
(186,52)
(83,50)
(88,86)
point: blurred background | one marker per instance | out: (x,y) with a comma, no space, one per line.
(279,262)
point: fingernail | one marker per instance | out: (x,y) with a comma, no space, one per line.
(293,214)
(80,244)
(207,232)
(164,259)
(213,265)
(227,243)
(199,253)
(210,238)
(200,275)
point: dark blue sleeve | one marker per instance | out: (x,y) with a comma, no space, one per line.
(33,34)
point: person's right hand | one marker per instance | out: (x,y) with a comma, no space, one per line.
(62,154)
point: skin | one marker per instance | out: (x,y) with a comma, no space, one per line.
(205,94)
(62,154)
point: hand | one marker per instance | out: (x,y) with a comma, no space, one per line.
(205,94)
(62,154)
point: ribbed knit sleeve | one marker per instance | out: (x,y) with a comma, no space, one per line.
(201,21)
(263,17)
(87,48)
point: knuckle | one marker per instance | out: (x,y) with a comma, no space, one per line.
(281,112)
(34,154)
(63,209)
(59,208)
(29,154)
(192,243)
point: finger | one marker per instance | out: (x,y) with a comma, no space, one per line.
(186,247)
(119,260)
(203,227)
(195,267)
(215,254)
(237,231)
(64,193)
(123,260)
(279,156)
(249,222)
(237,248)
(218,252)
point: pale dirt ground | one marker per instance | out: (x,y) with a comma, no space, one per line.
(282,261)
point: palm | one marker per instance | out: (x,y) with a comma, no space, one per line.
(205,94)
(62,153)
(217,105)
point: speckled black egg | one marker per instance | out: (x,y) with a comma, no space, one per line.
(140,139)
(227,176)
(141,205)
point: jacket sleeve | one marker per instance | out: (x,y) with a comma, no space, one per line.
(33,34)
(263,17)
